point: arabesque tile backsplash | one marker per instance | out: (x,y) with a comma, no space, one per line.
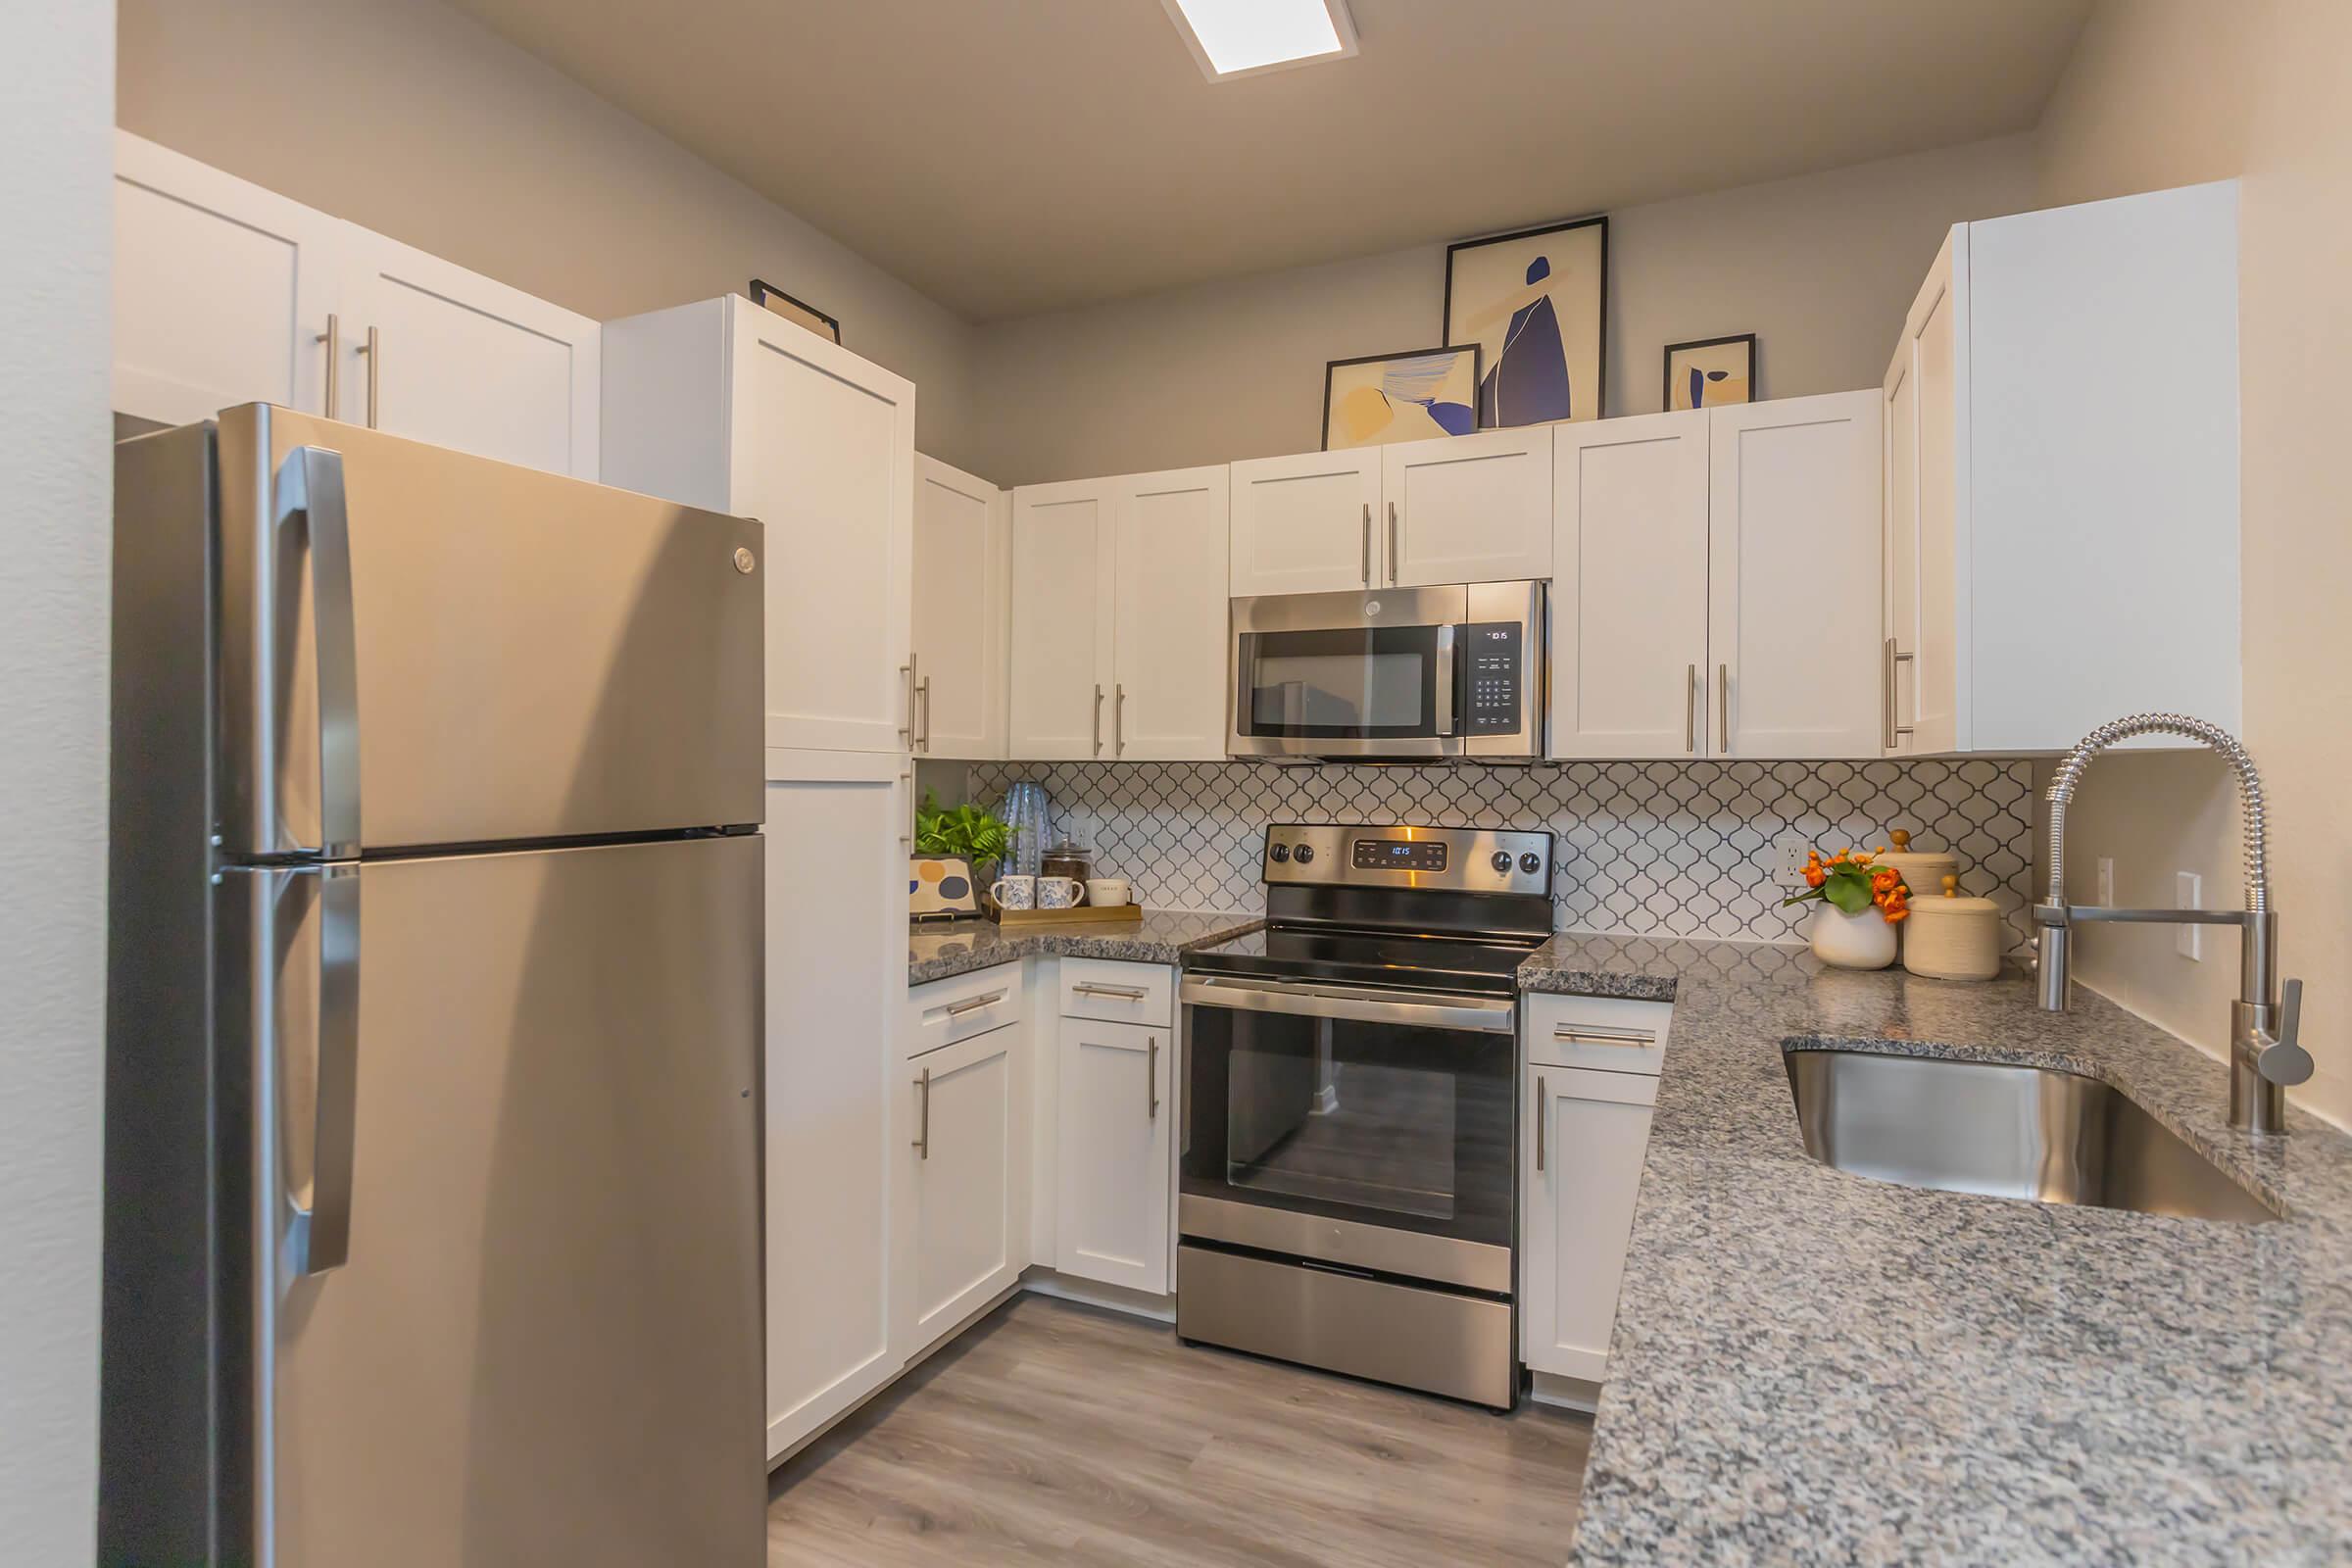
(1654,849)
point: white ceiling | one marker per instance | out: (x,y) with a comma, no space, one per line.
(1013,155)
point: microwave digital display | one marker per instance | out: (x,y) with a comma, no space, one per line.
(1399,854)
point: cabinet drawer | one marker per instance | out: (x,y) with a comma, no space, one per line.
(1607,1033)
(1116,991)
(948,1010)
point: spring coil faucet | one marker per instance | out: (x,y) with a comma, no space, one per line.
(2265,1055)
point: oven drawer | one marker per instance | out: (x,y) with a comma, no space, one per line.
(1114,991)
(945,1012)
(1609,1033)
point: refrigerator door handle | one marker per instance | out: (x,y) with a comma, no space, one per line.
(318,1212)
(309,494)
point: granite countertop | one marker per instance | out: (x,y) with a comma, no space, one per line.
(1814,1367)
(937,952)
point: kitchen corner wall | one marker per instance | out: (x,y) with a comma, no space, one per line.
(1655,849)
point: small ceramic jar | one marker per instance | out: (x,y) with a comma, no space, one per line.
(1864,941)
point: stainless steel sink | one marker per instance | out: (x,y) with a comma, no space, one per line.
(2006,1132)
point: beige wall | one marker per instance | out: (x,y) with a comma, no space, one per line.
(55,147)
(2162,92)
(410,118)
(1821,267)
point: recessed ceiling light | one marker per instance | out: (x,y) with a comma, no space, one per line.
(1242,38)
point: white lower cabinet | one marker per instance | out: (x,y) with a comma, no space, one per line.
(1583,1138)
(836,941)
(1114,1158)
(960,1212)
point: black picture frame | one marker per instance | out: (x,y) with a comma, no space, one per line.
(1477,357)
(763,291)
(1666,365)
(1601,359)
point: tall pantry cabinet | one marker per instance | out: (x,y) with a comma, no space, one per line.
(726,405)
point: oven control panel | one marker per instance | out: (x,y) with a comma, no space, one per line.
(1450,860)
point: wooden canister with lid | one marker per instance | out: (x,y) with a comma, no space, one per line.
(1923,870)
(1952,938)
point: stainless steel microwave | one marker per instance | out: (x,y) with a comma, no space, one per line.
(1391,674)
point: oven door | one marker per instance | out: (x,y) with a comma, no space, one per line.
(1350,674)
(1370,1129)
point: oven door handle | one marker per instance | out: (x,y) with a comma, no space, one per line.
(1480,1015)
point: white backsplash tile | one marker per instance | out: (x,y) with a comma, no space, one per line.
(1654,849)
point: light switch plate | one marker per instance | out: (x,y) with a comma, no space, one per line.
(2187,939)
(2106,881)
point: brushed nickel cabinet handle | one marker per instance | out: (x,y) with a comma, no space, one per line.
(1392,544)
(1895,659)
(373,348)
(1088,987)
(1368,535)
(1097,718)
(922,1136)
(332,337)
(1119,720)
(907,677)
(1690,710)
(956,1009)
(1723,709)
(1151,1077)
(1542,1110)
(1594,1035)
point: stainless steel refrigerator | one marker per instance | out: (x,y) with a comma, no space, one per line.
(432,1226)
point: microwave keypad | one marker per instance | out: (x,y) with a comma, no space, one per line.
(1493,655)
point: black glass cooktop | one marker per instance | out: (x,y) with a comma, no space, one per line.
(1347,956)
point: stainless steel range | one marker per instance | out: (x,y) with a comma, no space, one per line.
(1349,1107)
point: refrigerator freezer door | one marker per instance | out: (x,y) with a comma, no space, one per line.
(542,1343)
(488,652)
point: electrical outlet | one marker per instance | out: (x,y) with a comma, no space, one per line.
(2106,881)
(1789,860)
(2187,895)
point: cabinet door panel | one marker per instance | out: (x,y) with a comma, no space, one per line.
(1629,600)
(1470,508)
(824,447)
(967,1157)
(1307,524)
(1169,628)
(960,555)
(836,942)
(1793,632)
(466,362)
(1062,613)
(1922,500)
(1592,1130)
(222,291)
(1115,1160)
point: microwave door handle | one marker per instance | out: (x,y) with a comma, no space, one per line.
(309,496)
(1449,704)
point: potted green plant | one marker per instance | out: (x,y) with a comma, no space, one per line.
(979,836)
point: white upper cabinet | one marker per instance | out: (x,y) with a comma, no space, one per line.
(227,293)
(963,533)
(1062,614)
(1168,632)
(1119,619)
(1795,632)
(1629,595)
(443,355)
(1468,509)
(1308,524)
(725,406)
(222,290)
(2062,506)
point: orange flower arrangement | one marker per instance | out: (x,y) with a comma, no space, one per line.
(1854,883)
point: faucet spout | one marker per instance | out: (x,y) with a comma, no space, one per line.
(2264,1054)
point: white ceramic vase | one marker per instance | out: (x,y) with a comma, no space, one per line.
(1864,941)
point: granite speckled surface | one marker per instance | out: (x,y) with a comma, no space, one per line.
(952,948)
(1814,1367)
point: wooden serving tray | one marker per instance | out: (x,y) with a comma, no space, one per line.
(1084,914)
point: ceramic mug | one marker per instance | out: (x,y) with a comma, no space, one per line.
(1015,892)
(1058,892)
(1106,891)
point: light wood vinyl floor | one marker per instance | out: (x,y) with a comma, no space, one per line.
(1053,1433)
